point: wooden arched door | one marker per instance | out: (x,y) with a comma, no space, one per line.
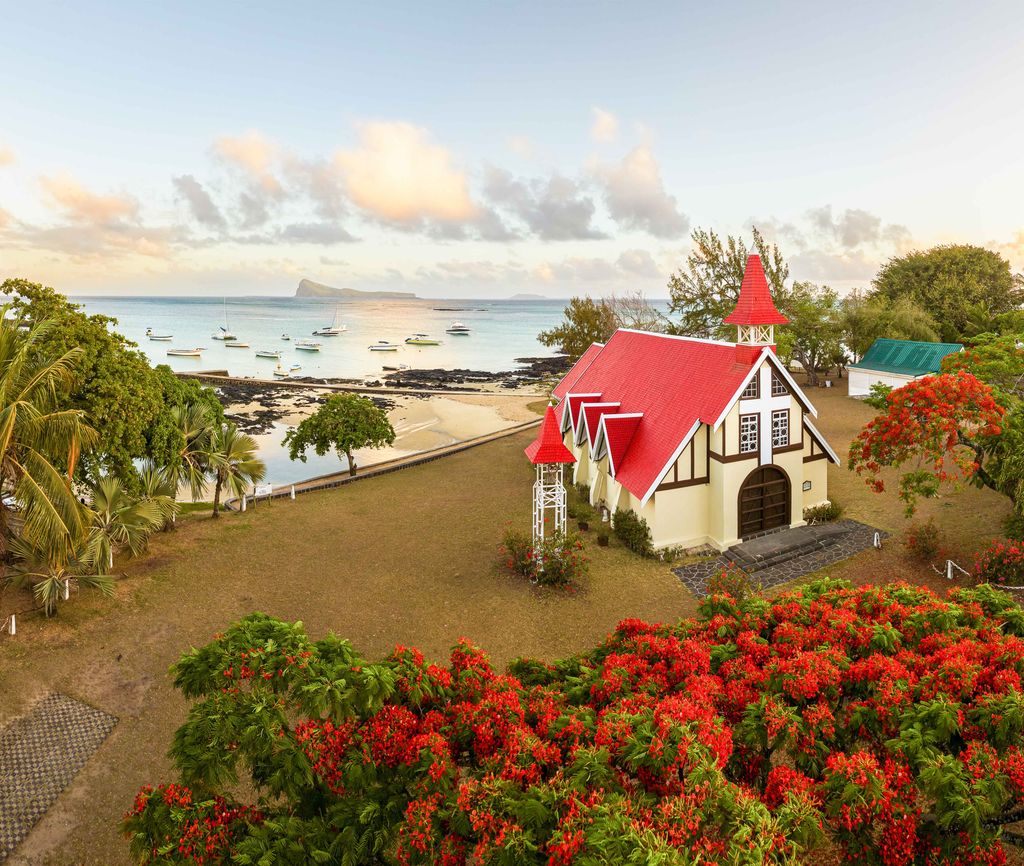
(763,501)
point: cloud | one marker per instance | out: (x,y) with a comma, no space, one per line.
(605,127)
(635,195)
(314,233)
(398,175)
(79,205)
(201,205)
(633,269)
(520,145)
(254,155)
(553,208)
(321,181)
(639,262)
(6,155)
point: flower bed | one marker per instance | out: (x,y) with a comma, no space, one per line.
(1001,564)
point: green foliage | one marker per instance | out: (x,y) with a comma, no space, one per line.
(633,531)
(735,582)
(344,422)
(815,331)
(878,396)
(866,317)
(117,520)
(952,282)
(997,360)
(827,512)
(47,574)
(126,401)
(559,562)
(704,292)
(233,462)
(585,321)
(923,540)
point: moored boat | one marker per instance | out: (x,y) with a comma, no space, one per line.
(281,372)
(236,344)
(269,353)
(224,332)
(384,346)
(387,369)
(458,329)
(308,345)
(186,353)
(422,340)
(162,337)
(285,336)
(331,330)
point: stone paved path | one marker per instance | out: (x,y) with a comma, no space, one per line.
(835,547)
(40,754)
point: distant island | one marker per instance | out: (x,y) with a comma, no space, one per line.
(309,289)
(527,296)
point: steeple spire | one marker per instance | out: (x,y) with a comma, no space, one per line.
(755,315)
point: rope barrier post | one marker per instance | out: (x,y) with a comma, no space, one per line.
(67,589)
(14,625)
(243,502)
(878,540)
(293,493)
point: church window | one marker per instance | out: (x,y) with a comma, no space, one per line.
(780,428)
(750,392)
(748,433)
(778,386)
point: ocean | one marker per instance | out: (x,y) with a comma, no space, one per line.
(501,331)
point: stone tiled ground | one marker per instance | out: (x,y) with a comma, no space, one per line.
(40,754)
(860,537)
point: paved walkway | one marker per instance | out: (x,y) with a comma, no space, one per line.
(40,754)
(780,557)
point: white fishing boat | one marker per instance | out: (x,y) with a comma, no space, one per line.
(186,353)
(285,336)
(281,372)
(269,353)
(236,344)
(384,346)
(458,329)
(331,330)
(161,337)
(225,332)
(422,340)
(387,369)
(308,345)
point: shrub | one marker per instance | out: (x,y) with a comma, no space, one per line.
(883,721)
(633,531)
(561,561)
(878,397)
(1014,526)
(585,514)
(923,540)
(733,581)
(583,492)
(603,534)
(1001,564)
(827,512)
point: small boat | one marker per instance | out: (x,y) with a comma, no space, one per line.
(285,337)
(421,340)
(224,333)
(384,346)
(331,330)
(236,344)
(186,353)
(281,372)
(269,353)
(295,368)
(458,329)
(308,345)
(395,369)
(163,337)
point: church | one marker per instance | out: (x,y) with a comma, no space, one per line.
(711,442)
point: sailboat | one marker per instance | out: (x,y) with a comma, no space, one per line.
(224,333)
(332,330)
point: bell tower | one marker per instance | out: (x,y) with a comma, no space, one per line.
(755,315)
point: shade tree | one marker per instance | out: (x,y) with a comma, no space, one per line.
(342,423)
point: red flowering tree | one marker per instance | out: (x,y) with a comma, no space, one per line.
(885,721)
(934,429)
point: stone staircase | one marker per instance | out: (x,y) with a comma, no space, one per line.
(772,549)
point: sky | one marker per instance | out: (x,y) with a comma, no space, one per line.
(484,149)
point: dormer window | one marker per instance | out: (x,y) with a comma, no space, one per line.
(779,388)
(751,391)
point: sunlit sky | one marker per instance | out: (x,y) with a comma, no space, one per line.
(482,149)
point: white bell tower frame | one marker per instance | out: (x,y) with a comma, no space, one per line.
(548,496)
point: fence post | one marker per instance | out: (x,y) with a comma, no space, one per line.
(67,589)
(878,540)
(14,625)
(293,493)
(243,502)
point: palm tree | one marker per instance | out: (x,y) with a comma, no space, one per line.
(233,462)
(117,521)
(49,575)
(158,488)
(192,461)
(40,443)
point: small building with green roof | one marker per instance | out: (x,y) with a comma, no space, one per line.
(897,362)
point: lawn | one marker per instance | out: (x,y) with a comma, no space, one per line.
(408,557)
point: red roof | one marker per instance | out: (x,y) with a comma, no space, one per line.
(674,382)
(755,305)
(619,431)
(578,369)
(592,412)
(574,402)
(548,447)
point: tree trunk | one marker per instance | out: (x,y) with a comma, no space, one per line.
(216,495)
(351,462)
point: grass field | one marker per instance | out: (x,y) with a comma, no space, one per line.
(408,557)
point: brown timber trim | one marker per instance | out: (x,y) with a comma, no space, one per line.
(734,458)
(675,485)
(821,456)
(793,446)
